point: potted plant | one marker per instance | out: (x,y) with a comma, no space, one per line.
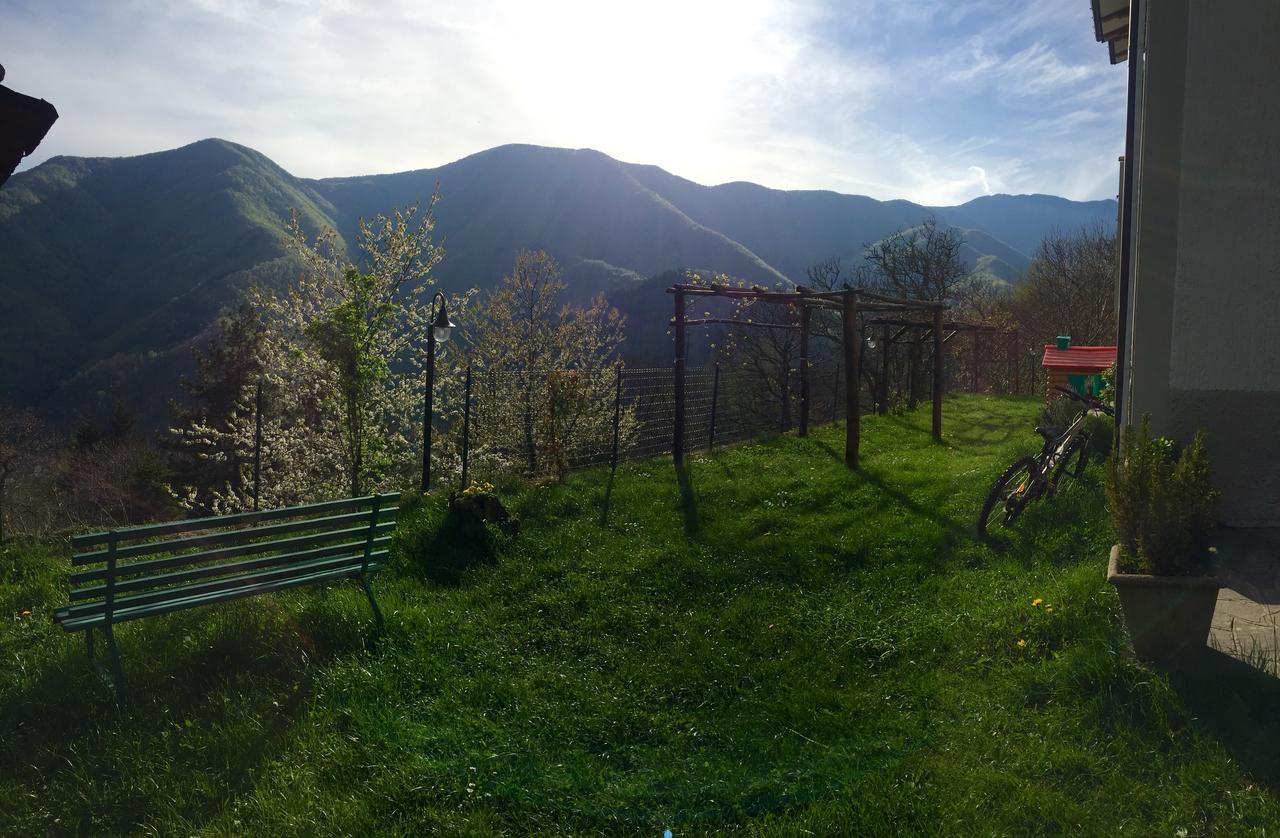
(1163,506)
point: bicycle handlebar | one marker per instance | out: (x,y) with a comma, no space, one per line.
(1093,403)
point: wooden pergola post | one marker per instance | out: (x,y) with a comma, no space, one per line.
(677,440)
(804,370)
(883,407)
(937,374)
(977,356)
(913,376)
(852,355)
(851,305)
(1017,367)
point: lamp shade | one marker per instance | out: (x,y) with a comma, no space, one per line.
(442,326)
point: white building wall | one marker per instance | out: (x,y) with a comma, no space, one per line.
(1227,295)
(1206,319)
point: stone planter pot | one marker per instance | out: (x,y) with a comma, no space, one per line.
(1167,616)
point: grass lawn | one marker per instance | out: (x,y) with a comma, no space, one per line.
(763,644)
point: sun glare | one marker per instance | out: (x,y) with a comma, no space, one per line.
(640,82)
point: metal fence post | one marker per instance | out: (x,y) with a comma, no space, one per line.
(715,398)
(466,426)
(805,312)
(677,436)
(835,396)
(257,445)
(617,417)
(784,419)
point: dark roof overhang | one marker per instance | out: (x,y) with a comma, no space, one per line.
(1111,27)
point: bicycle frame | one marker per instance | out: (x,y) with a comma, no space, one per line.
(1054,451)
(1039,475)
(1051,454)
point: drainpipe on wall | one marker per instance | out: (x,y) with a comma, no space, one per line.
(1137,49)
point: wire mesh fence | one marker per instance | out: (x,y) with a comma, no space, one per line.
(545,423)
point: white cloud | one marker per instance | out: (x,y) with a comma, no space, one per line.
(981,175)
(933,101)
(1038,70)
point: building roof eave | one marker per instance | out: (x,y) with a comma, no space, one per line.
(1111,27)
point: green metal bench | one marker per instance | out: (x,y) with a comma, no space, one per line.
(160,568)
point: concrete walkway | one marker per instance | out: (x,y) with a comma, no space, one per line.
(1246,623)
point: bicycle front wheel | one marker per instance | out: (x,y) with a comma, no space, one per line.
(1010,494)
(1072,463)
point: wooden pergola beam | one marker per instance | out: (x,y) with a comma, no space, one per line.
(928,325)
(708,321)
(850,302)
(802,295)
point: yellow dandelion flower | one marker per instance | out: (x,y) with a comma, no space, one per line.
(1037,601)
(1021,643)
(1048,609)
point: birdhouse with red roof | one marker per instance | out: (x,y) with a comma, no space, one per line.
(1077,367)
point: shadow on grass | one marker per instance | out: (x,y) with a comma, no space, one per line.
(1062,520)
(955,528)
(1236,704)
(209,669)
(833,453)
(442,554)
(688,502)
(607,498)
(990,430)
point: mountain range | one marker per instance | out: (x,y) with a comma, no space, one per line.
(111,268)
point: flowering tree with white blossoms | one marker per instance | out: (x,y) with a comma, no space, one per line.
(550,371)
(340,358)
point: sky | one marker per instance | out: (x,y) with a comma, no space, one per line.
(935,101)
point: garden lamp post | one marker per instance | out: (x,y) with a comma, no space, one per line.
(441,328)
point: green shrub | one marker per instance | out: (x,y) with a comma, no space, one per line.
(1101,430)
(442,537)
(1108,393)
(1162,501)
(1058,413)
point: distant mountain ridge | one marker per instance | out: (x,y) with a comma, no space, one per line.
(112,266)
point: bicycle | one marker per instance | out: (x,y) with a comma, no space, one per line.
(1032,478)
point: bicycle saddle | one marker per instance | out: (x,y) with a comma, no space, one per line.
(1049,434)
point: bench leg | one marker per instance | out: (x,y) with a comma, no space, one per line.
(377,612)
(117,672)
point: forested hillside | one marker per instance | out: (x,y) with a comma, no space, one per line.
(112,267)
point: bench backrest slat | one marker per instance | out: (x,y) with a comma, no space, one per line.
(297,542)
(273,546)
(333,563)
(156,580)
(151,548)
(239,519)
(293,542)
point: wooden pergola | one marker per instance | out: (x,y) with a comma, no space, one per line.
(850,303)
(894,329)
